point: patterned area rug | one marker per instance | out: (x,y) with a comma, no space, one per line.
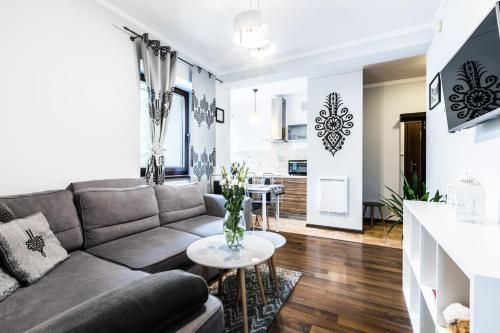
(260,315)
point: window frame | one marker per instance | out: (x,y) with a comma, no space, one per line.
(178,172)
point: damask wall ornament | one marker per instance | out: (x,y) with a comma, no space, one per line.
(479,94)
(202,164)
(334,123)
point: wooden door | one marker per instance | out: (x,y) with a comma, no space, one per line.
(414,150)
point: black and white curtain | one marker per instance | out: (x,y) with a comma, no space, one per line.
(159,64)
(203,127)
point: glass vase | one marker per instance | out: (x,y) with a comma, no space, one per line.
(234,229)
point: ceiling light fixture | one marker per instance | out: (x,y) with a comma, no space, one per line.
(262,52)
(249,31)
(254,116)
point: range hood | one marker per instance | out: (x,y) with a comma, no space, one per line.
(278,120)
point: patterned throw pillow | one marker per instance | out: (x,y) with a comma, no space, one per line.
(6,214)
(29,248)
(7,285)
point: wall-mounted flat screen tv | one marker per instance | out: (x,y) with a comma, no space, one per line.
(471,80)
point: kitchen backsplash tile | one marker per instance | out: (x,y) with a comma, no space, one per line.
(274,160)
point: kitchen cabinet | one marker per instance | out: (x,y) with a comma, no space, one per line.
(293,203)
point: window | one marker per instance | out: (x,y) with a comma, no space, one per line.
(177,140)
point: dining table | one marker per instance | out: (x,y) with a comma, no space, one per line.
(263,189)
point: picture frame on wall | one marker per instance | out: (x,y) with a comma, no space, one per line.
(435,92)
(219,115)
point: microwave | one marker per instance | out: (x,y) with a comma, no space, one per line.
(297,167)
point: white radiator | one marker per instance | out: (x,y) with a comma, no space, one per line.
(334,196)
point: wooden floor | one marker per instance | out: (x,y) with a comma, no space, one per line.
(345,287)
(376,235)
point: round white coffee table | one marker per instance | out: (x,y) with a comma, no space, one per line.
(278,241)
(213,252)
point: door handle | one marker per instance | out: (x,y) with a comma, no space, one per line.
(412,164)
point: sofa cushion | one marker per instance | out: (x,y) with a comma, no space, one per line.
(29,248)
(59,209)
(79,278)
(6,214)
(109,214)
(207,319)
(8,284)
(107,183)
(179,202)
(149,304)
(203,225)
(155,250)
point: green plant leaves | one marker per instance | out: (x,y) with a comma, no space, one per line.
(394,203)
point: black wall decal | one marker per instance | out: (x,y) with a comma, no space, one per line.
(202,164)
(333,123)
(202,111)
(480,93)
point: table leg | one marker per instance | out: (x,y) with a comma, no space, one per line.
(238,294)
(270,265)
(243,300)
(204,272)
(221,275)
(277,213)
(265,222)
(381,211)
(261,286)
(275,277)
(372,214)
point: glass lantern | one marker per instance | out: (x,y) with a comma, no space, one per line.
(451,198)
(469,200)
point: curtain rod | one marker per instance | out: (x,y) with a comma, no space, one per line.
(136,35)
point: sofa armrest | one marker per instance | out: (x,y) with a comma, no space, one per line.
(215,207)
(247,210)
(145,305)
(215,204)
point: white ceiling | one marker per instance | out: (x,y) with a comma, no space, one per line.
(202,29)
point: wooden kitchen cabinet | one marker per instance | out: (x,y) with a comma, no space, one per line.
(293,203)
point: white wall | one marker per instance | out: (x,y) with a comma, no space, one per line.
(382,105)
(346,162)
(223,130)
(474,150)
(68,96)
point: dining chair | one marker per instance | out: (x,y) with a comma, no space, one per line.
(266,179)
(252,179)
(215,186)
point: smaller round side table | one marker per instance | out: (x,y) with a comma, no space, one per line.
(213,252)
(278,241)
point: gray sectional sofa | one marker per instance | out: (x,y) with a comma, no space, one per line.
(119,232)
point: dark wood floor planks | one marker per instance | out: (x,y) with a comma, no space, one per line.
(346,287)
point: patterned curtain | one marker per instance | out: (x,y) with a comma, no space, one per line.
(159,70)
(203,127)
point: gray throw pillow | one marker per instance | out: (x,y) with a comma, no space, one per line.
(6,214)
(29,248)
(7,285)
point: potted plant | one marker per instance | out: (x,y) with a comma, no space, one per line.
(233,189)
(410,192)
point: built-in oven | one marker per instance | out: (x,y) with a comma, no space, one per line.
(297,167)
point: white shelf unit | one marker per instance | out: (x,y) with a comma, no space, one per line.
(459,261)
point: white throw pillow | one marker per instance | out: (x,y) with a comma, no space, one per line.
(29,248)
(7,285)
